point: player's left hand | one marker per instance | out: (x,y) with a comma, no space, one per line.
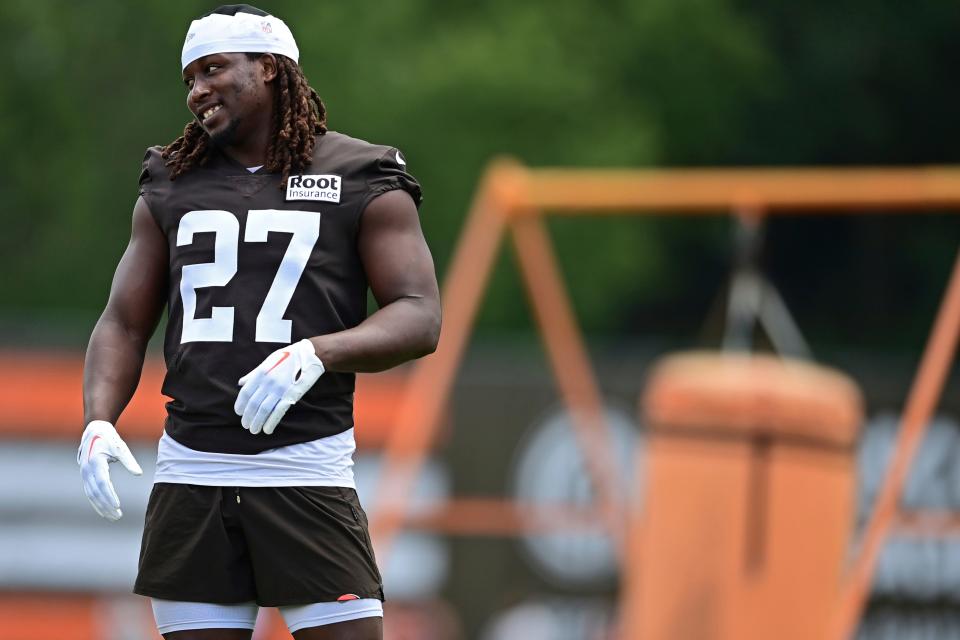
(275,385)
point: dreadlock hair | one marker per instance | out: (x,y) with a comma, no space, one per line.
(299,117)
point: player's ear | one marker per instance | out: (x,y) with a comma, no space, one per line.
(268,66)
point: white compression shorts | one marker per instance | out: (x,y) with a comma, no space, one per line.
(180,616)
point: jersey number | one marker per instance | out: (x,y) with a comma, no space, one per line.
(271,326)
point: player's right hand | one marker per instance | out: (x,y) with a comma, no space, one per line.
(99,446)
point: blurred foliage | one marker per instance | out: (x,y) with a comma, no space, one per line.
(569,82)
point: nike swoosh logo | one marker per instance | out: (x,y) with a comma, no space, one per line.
(90,450)
(400,159)
(286,354)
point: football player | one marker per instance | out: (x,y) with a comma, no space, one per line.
(260,231)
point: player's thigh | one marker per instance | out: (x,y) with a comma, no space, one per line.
(360,629)
(209,634)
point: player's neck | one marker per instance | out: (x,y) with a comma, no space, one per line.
(252,150)
(252,140)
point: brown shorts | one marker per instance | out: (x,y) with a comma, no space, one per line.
(275,546)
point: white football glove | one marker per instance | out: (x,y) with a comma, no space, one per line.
(273,387)
(99,446)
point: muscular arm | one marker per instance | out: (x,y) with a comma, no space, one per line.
(119,340)
(400,272)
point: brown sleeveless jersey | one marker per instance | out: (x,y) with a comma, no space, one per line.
(254,267)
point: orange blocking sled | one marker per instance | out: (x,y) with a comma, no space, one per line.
(750,499)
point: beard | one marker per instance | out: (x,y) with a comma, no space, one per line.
(226,135)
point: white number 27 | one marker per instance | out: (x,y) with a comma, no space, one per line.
(271,326)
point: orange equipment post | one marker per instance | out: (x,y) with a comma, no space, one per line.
(571,365)
(921,403)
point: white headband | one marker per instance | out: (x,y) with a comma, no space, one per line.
(240,33)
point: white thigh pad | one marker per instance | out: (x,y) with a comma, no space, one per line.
(181,616)
(321,613)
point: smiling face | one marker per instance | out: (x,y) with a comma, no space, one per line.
(231,96)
